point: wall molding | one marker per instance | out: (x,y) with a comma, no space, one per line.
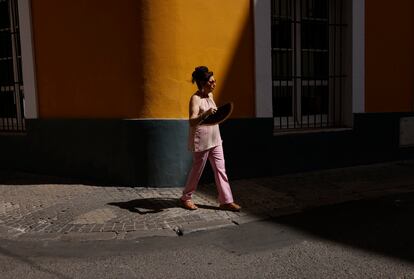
(28,60)
(358,56)
(263,58)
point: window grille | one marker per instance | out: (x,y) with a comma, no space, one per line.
(11,84)
(307,63)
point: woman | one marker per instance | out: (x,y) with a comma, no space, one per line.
(205,143)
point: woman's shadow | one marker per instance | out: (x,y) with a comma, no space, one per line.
(147,206)
(153,205)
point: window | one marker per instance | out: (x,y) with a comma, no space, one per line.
(308,69)
(11,86)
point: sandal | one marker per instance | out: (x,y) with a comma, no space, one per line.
(230,206)
(188,204)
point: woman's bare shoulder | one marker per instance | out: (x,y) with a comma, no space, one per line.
(195,98)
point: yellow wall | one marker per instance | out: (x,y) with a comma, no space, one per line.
(134,58)
(389,56)
(87,58)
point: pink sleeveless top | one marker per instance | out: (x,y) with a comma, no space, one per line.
(203,137)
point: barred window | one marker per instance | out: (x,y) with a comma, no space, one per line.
(308,63)
(11,85)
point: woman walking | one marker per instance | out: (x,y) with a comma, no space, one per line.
(205,143)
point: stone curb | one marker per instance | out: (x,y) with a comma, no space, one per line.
(203,226)
(9,232)
(248,219)
(95,236)
(149,233)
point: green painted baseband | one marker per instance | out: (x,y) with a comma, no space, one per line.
(110,152)
(153,153)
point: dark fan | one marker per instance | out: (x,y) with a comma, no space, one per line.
(222,113)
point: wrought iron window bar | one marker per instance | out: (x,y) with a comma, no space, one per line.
(11,82)
(307,63)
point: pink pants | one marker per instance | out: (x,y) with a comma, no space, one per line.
(216,158)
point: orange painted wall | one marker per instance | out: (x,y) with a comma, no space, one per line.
(87,55)
(389,56)
(134,58)
(185,34)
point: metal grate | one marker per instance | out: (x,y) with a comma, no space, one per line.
(11,84)
(307,63)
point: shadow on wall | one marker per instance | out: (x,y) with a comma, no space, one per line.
(246,139)
(238,80)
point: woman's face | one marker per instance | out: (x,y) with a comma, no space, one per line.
(210,85)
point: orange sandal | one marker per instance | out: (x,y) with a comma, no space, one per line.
(230,206)
(188,204)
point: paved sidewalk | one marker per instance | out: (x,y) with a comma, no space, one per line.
(73,212)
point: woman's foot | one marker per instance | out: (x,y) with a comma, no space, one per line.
(230,206)
(188,204)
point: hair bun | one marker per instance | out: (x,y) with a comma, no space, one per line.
(201,74)
(203,69)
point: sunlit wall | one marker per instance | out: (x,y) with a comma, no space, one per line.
(134,58)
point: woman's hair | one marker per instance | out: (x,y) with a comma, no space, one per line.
(201,75)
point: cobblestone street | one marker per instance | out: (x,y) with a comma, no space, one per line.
(83,212)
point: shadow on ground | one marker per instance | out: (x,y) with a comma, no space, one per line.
(147,206)
(154,205)
(382,226)
(204,206)
(23,178)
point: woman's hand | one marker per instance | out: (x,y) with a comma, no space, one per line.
(205,114)
(210,111)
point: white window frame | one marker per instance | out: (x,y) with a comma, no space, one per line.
(321,120)
(263,68)
(28,60)
(26,100)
